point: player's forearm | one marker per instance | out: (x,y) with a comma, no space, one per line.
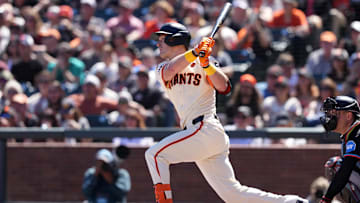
(220,81)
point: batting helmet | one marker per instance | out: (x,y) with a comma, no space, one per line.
(176,34)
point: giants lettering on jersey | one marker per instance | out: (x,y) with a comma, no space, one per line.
(184,79)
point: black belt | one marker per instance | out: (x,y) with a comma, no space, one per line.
(199,119)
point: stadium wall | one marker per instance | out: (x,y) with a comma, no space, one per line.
(54,172)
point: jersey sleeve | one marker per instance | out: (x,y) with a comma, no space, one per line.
(352,147)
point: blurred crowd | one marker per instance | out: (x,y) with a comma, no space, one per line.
(90,63)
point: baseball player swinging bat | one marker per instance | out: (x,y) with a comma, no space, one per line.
(219,21)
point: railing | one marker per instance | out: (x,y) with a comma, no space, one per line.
(107,134)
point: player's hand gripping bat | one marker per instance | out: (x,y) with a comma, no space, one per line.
(219,21)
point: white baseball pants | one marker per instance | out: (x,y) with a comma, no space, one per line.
(206,144)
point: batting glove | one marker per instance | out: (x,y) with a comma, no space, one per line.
(325,200)
(205,44)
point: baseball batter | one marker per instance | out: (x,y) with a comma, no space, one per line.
(190,82)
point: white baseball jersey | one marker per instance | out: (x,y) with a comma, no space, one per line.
(190,92)
(203,142)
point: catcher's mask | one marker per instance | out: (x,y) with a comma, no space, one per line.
(175,34)
(339,103)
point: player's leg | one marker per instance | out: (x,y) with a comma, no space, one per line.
(218,171)
(183,146)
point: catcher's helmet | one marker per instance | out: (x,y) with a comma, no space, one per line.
(176,34)
(344,103)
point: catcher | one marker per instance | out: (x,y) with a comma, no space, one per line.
(342,114)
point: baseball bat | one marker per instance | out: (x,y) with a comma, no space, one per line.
(219,21)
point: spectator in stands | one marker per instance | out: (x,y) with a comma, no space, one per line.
(12,55)
(97,40)
(327,89)
(291,18)
(240,15)
(117,118)
(319,61)
(245,94)
(92,105)
(133,119)
(194,19)
(281,102)
(306,90)
(149,63)
(47,119)
(162,11)
(132,25)
(21,116)
(52,17)
(5,76)
(256,38)
(133,52)
(320,8)
(67,70)
(351,85)
(55,96)
(51,39)
(126,79)
(287,63)
(228,35)
(125,102)
(272,74)
(71,117)
(338,18)
(271,6)
(66,12)
(103,89)
(86,17)
(11,88)
(147,96)
(28,63)
(119,42)
(107,65)
(353,45)
(33,22)
(4,31)
(283,120)
(9,13)
(66,27)
(243,119)
(339,67)
(105,182)
(38,102)
(292,24)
